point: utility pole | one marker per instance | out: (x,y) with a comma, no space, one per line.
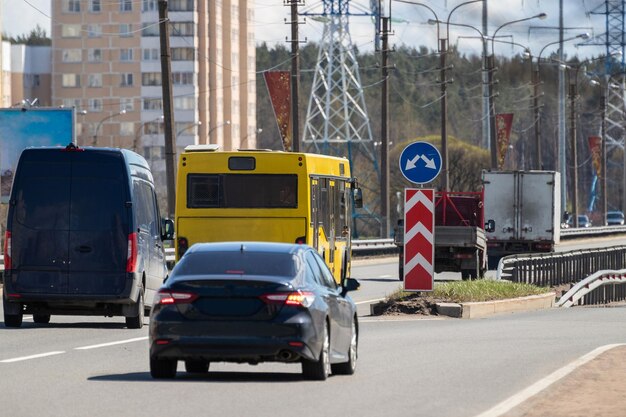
(443,52)
(603,199)
(295,71)
(535,81)
(384,131)
(562,167)
(168,110)
(573,94)
(486,85)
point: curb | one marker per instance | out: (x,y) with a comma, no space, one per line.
(488,308)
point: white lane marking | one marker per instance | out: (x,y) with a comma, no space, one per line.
(393,319)
(369,301)
(544,383)
(119,342)
(25,358)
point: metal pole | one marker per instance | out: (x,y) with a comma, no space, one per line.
(572,95)
(443,50)
(168,109)
(486,84)
(535,81)
(562,140)
(603,199)
(492,114)
(295,70)
(384,136)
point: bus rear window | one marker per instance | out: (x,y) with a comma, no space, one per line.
(242,191)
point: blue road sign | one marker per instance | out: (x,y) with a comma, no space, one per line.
(420,162)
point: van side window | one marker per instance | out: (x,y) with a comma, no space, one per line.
(144,205)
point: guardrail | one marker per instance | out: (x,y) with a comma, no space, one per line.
(576,232)
(362,247)
(599,288)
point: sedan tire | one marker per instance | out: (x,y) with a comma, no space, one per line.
(349,367)
(320,369)
(163,368)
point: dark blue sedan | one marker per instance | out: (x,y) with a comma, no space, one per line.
(252,302)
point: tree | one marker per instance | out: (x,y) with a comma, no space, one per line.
(36,37)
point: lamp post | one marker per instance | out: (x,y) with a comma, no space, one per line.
(535,80)
(443,51)
(226,123)
(490,70)
(95,134)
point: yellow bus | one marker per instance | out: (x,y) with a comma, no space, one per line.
(262,195)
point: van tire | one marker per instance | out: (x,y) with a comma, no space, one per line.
(41,318)
(11,320)
(136,322)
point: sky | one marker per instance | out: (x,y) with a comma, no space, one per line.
(409,23)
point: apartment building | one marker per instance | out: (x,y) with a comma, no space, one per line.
(106,62)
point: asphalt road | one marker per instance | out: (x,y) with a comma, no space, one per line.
(79,366)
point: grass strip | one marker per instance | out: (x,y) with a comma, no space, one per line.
(471,291)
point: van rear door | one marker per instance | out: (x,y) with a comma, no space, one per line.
(40,222)
(98,223)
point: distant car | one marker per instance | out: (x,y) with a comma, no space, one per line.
(615,218)
(251,302)
(583,221)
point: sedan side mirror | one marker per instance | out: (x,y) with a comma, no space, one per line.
(349,284)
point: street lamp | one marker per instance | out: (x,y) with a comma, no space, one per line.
(443,51)
(490,69)
(245,139)
(189,126)
(140,128)
(95,134)
(226,123)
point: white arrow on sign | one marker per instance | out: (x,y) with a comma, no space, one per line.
(430,163)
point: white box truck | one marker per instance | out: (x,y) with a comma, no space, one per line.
(522,212)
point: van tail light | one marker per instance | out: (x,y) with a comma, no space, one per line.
(294,299)
(183,245)
(7,250)
(131,258)
(301,240)
(169,297)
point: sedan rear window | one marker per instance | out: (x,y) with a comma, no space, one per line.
(236,263)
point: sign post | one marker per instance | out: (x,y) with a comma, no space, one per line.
(419,247)
(420,163)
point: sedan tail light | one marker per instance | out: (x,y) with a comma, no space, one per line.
(296,298)
(168,297)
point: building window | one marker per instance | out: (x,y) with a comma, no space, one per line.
(183,78)
(150,54)
(183,54)
(70,31)
(94,80)
(71,80)
(180,5)
(94,31)
(71,102)
(95,105)
(95,6)
(127,80)
(127,104)
(126,30)
(184,103)
(94,55)
(127,128)
(72,55)
(71,6)
(150,29)
(181,29)
(150,6)
(153,103)
(126,5)
(151,78)
(126,54)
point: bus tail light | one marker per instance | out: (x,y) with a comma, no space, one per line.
(131,258)
(183,245)
(7,249)
(301,240)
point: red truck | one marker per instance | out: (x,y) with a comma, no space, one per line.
(460,241)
